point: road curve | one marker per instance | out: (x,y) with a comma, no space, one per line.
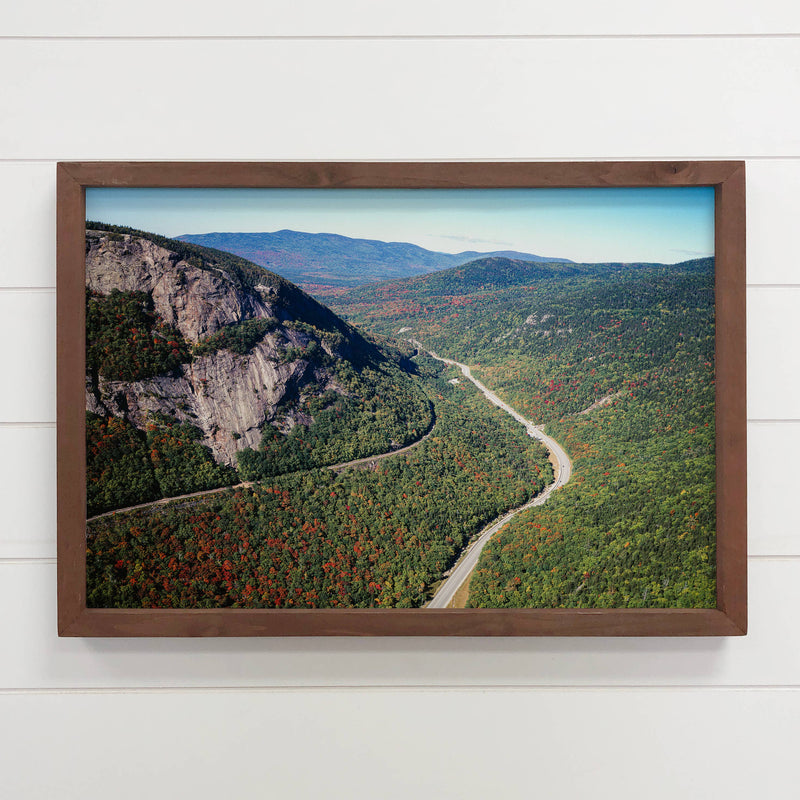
(248,484)
(562,468)
(372,460)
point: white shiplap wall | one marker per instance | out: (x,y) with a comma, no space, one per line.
(461,718)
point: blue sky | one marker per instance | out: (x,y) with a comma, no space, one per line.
(651,224)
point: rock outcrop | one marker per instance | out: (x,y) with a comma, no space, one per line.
(229,397)
(197,301)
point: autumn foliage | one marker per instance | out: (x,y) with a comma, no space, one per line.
(365,538)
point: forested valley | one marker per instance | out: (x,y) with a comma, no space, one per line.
(618,360)
(182,343)
(376,537)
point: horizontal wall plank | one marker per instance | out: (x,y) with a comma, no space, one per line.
(412,18)
(362,99)
(621,744)
(773,208)
(27,336)
(773,357)
(27,222)
(34,657)
(28,491)
(773,515)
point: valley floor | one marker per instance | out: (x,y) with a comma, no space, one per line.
(462,572)
(377,536)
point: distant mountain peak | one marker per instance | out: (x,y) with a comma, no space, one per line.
(337,260)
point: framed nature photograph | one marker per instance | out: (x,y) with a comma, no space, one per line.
(401,399)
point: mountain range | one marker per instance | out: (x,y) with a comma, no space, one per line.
(333,260)
(207,371)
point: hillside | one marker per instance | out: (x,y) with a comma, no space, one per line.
(618,360)
(387,306)
(199,362)
(333,260)
(186,349)
(372,538)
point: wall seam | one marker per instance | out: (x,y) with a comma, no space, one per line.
(406,688)
(398,37)
(483,159)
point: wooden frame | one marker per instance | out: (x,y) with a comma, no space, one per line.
(730,616)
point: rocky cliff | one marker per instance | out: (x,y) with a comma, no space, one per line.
(229,396)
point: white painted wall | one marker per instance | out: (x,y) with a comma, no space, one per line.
(350,718)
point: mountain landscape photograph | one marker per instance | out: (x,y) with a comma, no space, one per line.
(388,398)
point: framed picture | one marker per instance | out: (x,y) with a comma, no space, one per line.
(459,399)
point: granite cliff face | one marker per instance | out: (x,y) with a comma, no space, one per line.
(194,300)
(228,396)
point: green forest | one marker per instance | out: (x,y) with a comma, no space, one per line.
(126,466)
(616,360)
(313,539)
(126,341)
(619,361)
(380,410)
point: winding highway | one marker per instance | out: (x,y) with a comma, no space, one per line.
(562,469)
(461,572)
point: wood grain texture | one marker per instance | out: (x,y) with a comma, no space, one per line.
(408,174)
(731,398)
(730,617)
(398,622)
(70,399)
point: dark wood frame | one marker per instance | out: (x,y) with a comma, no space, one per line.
(728,619)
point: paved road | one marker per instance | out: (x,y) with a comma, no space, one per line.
(165,500)
(447,590)
(562,469)
(369,460)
